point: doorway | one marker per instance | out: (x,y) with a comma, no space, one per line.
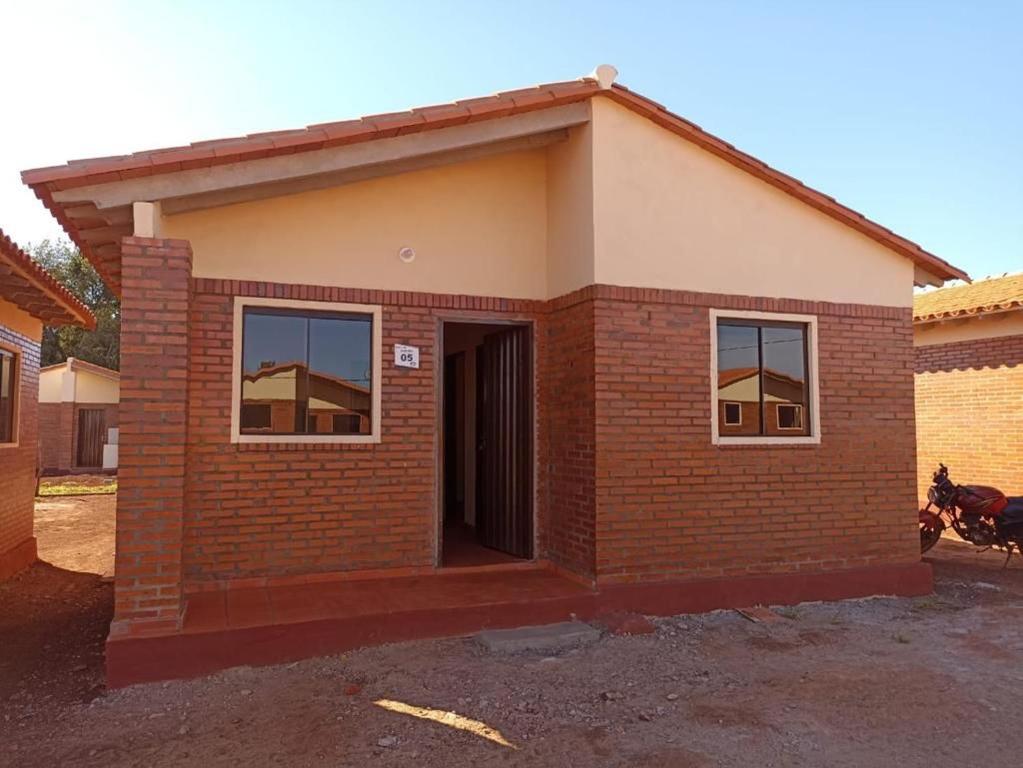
(92,430)
(486,444)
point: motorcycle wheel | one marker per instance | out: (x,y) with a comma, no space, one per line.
(928,537)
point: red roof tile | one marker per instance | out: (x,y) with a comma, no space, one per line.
(204,154)
(27,285)
(994,294)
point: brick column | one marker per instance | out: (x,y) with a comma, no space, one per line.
(155,277)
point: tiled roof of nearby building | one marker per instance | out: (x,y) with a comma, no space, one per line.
(30,287)
(105,254)
(994,294)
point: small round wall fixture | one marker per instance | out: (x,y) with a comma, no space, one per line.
(406,254)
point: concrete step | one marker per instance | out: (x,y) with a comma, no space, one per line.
(547,637)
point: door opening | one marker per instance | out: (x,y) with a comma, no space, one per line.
(91,434)
(487,444)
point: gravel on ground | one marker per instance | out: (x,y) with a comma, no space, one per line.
(931,681)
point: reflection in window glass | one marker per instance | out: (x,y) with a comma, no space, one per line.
(762,381)
(738,379)
(7,396)
(784,356)
(306,373)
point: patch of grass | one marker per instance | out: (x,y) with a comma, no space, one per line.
(901,638)
(788,611)
(71,488)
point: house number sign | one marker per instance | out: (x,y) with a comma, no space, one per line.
(406,357)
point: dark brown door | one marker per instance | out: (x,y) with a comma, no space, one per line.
(92,429)
(504,456)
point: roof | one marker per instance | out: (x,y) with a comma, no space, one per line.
(994,294)
(75,364)
(31,288)
(733,375)
(104,253)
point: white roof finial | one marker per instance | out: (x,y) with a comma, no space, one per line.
(605,75)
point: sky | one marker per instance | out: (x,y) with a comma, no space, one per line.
(909,112)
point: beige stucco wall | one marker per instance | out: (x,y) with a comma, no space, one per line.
(90,388)
(671,215)
(478,227)
(570,213)
(971,329)
(59,384)
(621,201)
(51,384)
(19,321)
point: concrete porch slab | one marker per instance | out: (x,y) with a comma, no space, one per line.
(545,637)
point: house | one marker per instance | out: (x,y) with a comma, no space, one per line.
(517,309)
(77,411)
(29,299)
(969,383)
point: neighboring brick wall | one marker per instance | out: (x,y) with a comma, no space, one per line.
(56,433)
(153,411)
(671,504)
(18,464)
(969,411)
(268,510)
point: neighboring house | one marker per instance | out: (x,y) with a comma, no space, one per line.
(29,299)
(528,301)
(969,383)
(77,409)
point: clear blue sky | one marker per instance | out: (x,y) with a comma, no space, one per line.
(910,112)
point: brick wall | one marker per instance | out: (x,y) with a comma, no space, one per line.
(56,428)
(629,485)
(257,510)
(969,405)
(58,433)
(567,395)
(18,464)
(155,277)
(670,503)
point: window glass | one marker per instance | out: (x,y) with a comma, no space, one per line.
(738,379)
(306,373)
(8,390)
(340,368)
(762,379)
(784,378)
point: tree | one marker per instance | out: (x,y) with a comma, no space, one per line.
(101,346)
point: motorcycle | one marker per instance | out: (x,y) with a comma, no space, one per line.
(979,514)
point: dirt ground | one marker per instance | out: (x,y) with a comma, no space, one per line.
(933,681)
(77,532)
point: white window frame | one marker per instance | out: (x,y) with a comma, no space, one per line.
(810,321)
(15,441)
(374,310)
(799,410)
(725,412)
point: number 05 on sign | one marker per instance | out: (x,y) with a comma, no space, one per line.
(406,357)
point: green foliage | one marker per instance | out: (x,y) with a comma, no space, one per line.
(102,346)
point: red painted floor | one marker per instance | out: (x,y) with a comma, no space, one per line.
(272,624)
(461,549)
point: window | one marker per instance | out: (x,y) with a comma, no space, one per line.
(732,414)
(789,416)
(762,372)
(8,396)
(306,372)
